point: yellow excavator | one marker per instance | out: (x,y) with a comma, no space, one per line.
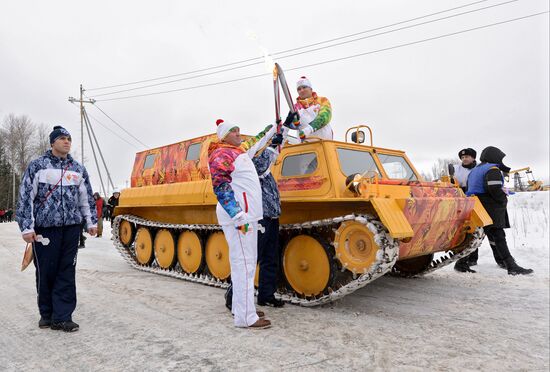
(524,180)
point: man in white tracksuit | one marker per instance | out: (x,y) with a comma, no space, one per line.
(237,188)
(314,113)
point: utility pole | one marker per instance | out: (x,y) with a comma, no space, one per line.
(85,123)
(13,188)
(82,102)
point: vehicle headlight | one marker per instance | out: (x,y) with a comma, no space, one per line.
(353,182)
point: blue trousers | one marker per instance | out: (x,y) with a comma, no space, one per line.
(268,258)
(55,271)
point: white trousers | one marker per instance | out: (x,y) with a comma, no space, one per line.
(243,254)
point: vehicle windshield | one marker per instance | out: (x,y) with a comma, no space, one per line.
(397,167)
(356,161)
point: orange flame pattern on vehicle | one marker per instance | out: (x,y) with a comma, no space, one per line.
(170,164)
(437,216)
(297,184)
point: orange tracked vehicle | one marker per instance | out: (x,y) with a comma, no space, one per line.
(350,214)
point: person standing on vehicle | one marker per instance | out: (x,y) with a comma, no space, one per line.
(55,197)
(313,113)
(486,182)
(237,188)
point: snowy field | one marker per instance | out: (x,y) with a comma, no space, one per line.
(132,320)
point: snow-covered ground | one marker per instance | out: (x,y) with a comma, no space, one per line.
(132,320)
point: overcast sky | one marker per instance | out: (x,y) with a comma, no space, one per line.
(430,99)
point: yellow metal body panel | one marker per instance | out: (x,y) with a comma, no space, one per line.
(479,217)
(392,217)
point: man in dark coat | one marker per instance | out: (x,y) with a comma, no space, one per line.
(113,201)
(486,182)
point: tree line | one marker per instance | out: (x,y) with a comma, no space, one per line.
(21,140)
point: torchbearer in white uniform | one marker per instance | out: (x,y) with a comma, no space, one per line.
(237,188)
(315,113)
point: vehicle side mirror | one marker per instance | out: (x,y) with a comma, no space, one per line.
(358,136)
(451,170)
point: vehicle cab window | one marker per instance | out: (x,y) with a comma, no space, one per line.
(356,161)
(193,152)
(149,161)
(396,167)
(299,164)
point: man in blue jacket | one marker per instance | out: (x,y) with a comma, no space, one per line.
(55,198)
(268,237)
(486,181)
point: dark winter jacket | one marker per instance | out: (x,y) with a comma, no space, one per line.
(113,202)
(55,192)
(489,174)
(270,193)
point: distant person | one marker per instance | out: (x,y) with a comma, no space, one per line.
(113,202)
(314,113)
(461,171)
(81,237)
(2,215)
(486,182)
(55,197)
(9,215)
(99,203)
(105,211)
(237,188)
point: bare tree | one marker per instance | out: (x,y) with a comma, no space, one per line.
(42,143)
(19,140)
(426,176)
(441,167)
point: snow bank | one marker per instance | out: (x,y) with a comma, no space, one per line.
(528,237)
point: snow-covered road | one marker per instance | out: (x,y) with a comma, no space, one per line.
(132,320)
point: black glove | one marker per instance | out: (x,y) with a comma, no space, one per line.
(291,117)
(276,140)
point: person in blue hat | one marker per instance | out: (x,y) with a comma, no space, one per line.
(55,198)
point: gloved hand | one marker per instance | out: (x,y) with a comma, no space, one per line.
(292,120)
(277,140)
(240,219)
(305,132)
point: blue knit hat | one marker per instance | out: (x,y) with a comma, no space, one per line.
(57,132)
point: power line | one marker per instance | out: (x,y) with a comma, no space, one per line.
(308,51)
(328,61)
(287,50)
(419,41)
(109,129)
(120,126)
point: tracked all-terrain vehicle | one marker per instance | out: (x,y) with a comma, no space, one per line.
(350,214)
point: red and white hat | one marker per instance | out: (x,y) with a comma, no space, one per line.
(224,128)
(303,82)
